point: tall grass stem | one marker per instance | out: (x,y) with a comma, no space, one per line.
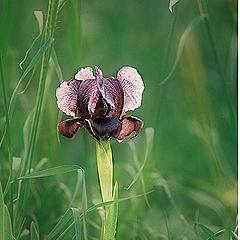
(8,132)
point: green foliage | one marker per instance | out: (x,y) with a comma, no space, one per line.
(186,154)
(5,220)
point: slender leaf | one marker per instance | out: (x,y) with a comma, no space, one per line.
(77,222)
(5,220)
(39,18)
(8,132)
(57,66)
(33,232)
(84,206)
(171,4)
(149,133)
(136,161)
(207,231)
(181,45)
(58,229)
(33,62)
(51,171)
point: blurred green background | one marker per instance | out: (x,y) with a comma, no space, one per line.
(192,167)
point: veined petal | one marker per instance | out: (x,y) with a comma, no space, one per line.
(84,74)
(87,98)
(130,125)
(69,127)
(133,87)
(112,92)
(67,94)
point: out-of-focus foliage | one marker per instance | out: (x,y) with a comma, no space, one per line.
(192,166)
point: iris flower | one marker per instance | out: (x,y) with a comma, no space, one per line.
(100,104)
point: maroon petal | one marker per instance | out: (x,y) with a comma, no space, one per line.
(112,92)
(69,127)
(67,94)
(104,127)
(129,125)
(87,98)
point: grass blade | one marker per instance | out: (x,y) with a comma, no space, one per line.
(171,4)
(33,232)
(57,66)
(77,222)
(58,229)
(207,231)
(8,132)
(39,18)
(84,206)
(181,45)
(149,133)
(33,62)
(136,161)
(5,220)
(51,171)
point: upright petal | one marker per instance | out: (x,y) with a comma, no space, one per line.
(113,93)
(133,87)
(69,127)
(130,125)
(87,98)
(84,74)
(67,94)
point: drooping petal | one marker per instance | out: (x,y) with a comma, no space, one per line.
(84,74)
(130,125)
(104,127)
(133,87)
(69,127)
(67,94)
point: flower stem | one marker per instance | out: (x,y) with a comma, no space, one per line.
(105,173)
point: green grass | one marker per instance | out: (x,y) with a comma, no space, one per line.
(178,178)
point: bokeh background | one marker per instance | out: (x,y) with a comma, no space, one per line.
(192,166)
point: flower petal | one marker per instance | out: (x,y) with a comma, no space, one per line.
(84,74)
(87,98)
(69,127)
(112,92)
(67,94)
(104,127)
(130,125)
(133,87)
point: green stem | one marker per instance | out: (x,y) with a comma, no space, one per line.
(8,132)
(105,169)
(27,163)
(105,173)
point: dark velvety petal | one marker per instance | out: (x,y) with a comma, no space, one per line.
(133,87)
(112,92)
(130,125)
(69,127)
(67,94)
(104,127)
(87,98)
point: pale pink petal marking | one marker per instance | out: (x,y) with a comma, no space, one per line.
(67,94)
(84,74)
(133,87)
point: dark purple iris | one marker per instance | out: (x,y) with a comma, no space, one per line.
(100,104)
